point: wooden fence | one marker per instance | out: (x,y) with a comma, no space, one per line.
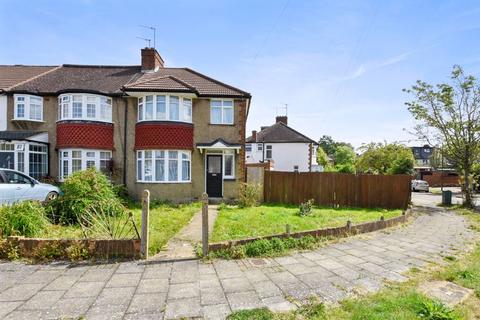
(338,189)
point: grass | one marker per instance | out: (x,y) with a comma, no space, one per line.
(400,300)
(165,221)
(236,223)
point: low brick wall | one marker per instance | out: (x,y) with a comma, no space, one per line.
(338,232)
(124,248)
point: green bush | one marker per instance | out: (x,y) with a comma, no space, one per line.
(249,194)
(82,189)
(23,219)
(306,208)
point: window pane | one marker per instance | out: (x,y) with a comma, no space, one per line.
(185,170)
(140,112)
(161,108)
(172,170)
(76,154)
(216,103)
(227,103)
(149,108)
(20,110)
(229,165)
(77,109)
(147,170)
(216,115)
(174,108)
(91,110)
(159,170)
(76,165)
(228,115)
(139,170)
(21,162)
(187,110)
(65,109)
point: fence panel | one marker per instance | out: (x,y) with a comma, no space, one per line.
(338,189)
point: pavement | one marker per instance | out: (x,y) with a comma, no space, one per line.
(212,290)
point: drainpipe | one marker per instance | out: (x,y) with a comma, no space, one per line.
(125,143)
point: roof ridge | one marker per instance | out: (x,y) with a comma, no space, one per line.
(217,82)
(69,65)
(33,78)
(29,65)
(186,84)
(286,126)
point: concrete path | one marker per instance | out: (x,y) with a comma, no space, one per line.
(167,290)
(182,245)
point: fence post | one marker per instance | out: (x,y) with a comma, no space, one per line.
(145,216)
(205,224)
(287,229)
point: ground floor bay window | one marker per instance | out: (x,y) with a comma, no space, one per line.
(73,160)
(163,166)
(28,157)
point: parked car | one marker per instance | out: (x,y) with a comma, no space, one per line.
(16,186)
(420,185)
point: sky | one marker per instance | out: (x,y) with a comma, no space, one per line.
(339,66)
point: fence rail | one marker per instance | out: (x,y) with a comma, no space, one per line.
(338,189)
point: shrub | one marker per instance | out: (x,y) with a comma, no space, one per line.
(23,219)
(82,189)
(433,310)
(306,208)
(249,194)
(77,252)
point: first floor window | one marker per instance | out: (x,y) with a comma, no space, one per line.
(85,107)
(268,153)
(28,107)
(163,166)
(248,147)
(259,147)
(221,111)
(73,160)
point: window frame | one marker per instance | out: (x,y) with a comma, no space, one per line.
(224,162)
(27,107)
(83,160)
(222,112)
(268,148)
(22,154)
(103,107)
(166,158)
(183,106)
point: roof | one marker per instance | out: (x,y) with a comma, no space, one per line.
(17,135)
(420,153)
(217,142)
(80,78)
(111,80)
(280,132)
(183,79)
(16,74)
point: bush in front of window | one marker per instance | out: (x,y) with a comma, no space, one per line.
(25,218)
(81,190)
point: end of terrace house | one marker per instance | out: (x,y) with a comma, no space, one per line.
(174,131)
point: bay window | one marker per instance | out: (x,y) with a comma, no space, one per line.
(165,166)
(221,111)
(164,108)
(84,107)
(73,160)
(28,157)
(28,107)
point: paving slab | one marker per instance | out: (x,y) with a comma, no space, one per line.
(447,292)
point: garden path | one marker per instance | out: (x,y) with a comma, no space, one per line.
(172,290)
(182,245)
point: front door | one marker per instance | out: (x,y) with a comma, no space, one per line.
(214,176)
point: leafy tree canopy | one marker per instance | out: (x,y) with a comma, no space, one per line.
(385,158)
(330,146)
(448,116)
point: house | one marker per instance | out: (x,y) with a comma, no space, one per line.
(436,174)
(173,131)
(286,148)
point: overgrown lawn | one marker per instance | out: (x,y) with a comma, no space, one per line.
(237,223)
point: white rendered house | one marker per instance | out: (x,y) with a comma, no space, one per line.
(286,148)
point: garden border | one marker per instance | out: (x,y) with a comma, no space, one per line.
(337,232)
(97,248)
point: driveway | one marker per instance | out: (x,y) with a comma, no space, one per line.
(171,290)
(433,199)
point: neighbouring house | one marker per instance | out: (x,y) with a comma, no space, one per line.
(173,131)
(285,148)
(426,168)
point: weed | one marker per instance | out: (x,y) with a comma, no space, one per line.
(249,194)
(25,218)
(77,252)
(255,314)
(305,208)
(434,310)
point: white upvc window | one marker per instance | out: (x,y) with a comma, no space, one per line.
(259,147)
(268,152)
(73,160)
(248,147)
(221,111)
(28,157)
(84,106)
(164,166)
(164,107)
(229,165)
(28,107)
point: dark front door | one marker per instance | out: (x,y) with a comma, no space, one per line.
(214,176)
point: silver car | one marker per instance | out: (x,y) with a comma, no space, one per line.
(420,185)
(16,186)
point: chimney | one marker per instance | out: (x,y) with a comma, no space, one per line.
(254,135)
(282,119)
(151,59)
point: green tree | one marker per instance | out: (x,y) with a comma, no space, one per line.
(344,159)
(449,115)
(322,158)
(385,158)
(330,146)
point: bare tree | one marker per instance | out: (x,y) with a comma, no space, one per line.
(449,115)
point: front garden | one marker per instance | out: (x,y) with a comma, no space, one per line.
(91,208)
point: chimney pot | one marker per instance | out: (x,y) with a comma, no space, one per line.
(282,119)
(254,135)
(151,59)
